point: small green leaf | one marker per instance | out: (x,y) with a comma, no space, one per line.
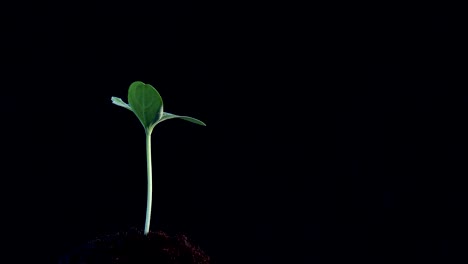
(121,103)
(146,103)
(167,116)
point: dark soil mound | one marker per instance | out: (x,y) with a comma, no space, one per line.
(133,247)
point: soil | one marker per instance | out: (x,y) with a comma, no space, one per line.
(133,247)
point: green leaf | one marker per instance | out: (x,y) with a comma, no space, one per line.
(121,103)
(146,103)
(167,116)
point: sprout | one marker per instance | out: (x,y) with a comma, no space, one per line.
(146,103)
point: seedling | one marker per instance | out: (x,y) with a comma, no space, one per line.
(146,103)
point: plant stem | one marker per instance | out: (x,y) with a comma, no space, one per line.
(150,182)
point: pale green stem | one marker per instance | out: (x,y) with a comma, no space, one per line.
(150,182)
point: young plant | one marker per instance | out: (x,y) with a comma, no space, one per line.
(146,103)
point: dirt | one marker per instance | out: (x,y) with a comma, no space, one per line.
(136,248)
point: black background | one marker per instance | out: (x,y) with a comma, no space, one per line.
(334,134)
